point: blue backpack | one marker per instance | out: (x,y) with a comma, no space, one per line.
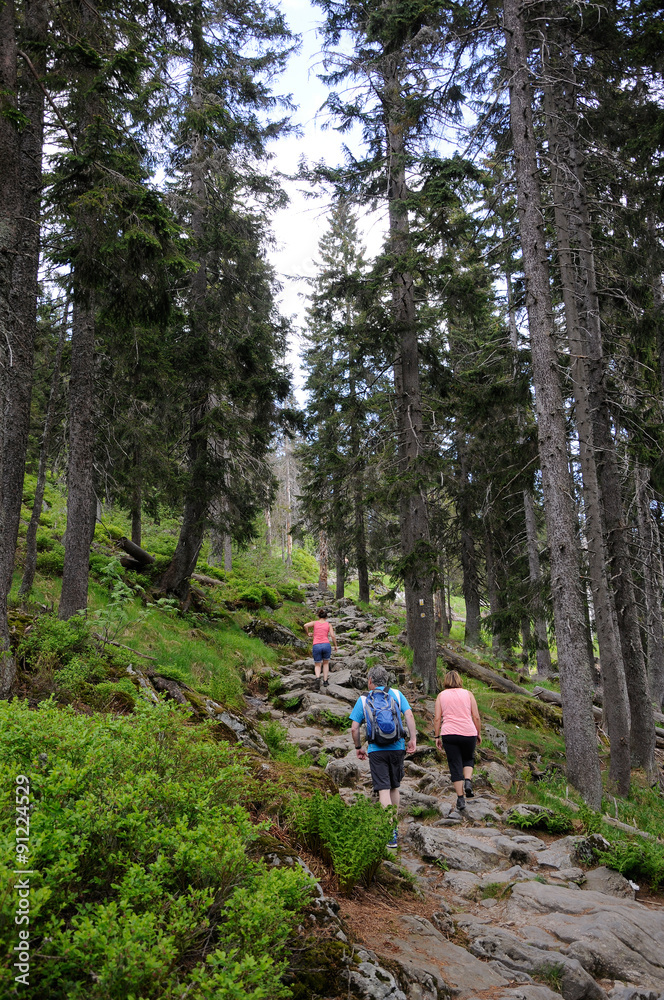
(382,714)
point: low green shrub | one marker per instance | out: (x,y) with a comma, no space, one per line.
(551,821)
(141,848)
(258,595)
(50,643)
(74,678)
(291,592)
(641,860)
(305,566)
(350,838)
(551,975)
(52,563)
(44,540)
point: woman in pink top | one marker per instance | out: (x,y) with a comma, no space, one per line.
(457,723)
(322,649)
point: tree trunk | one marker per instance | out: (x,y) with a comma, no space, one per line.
(445,622)
(81,500)
(651,567)
(322,562)
(471,585)
(616,699)
(414,520)
(30,565)
(136,498)
(590,350)
(340,572)
(268,529)
(580,739)
(10,209)
(541,632)
(493,589)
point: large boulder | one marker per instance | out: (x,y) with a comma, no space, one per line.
(274,634)
(611,938)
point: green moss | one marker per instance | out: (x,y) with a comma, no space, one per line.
(529,712)
(318,969)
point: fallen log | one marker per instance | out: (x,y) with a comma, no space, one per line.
(554,698)
(210,581)
(135,551)
(111,642)
(490,677)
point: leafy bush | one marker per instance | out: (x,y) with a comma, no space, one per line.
(44,540)
(52,563)
(305,566)
(352,838)
(140,846)
(51,643)
(74,678)
(291,592)
(257,596)
(639,860)
(276,737)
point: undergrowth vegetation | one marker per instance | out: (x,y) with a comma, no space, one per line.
(352,838)
(144,882)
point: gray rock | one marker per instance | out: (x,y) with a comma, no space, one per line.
(422,951)
(346,695)
(478,810)
(497,737)
(497,774)
(612,938)
(344,772)
(459,850)
(560,854)
(610,882)
(462,883)
(369,981)
(491,942)
(585,852)
(514,874)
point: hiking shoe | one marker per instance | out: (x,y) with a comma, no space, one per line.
(326,684)
(468,787)
(393,842)
(461,803)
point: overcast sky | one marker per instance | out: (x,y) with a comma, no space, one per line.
(299,227)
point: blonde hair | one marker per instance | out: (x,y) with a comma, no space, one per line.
(452,680)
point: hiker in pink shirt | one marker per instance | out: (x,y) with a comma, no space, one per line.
(458,727)
(322,648)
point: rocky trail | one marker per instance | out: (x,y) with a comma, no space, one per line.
(495,912)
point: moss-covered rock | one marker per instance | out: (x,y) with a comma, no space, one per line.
(528,712)
(320,968)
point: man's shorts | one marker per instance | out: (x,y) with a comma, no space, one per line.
(322,651)
(386,768)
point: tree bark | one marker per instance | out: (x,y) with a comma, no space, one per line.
(541,633)
(591,351)
(580,740)
(340,564)
(81,500)
(30,565)
(10,210)
(136,498)
(471,584)
(653,585)
(322,562)
(616,698)
(413,515)
(493,589)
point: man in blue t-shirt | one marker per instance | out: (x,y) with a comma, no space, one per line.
(385,763)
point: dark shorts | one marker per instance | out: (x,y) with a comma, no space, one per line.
(322,651)
(460,752)
(386,768)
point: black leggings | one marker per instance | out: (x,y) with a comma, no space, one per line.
(460,751)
